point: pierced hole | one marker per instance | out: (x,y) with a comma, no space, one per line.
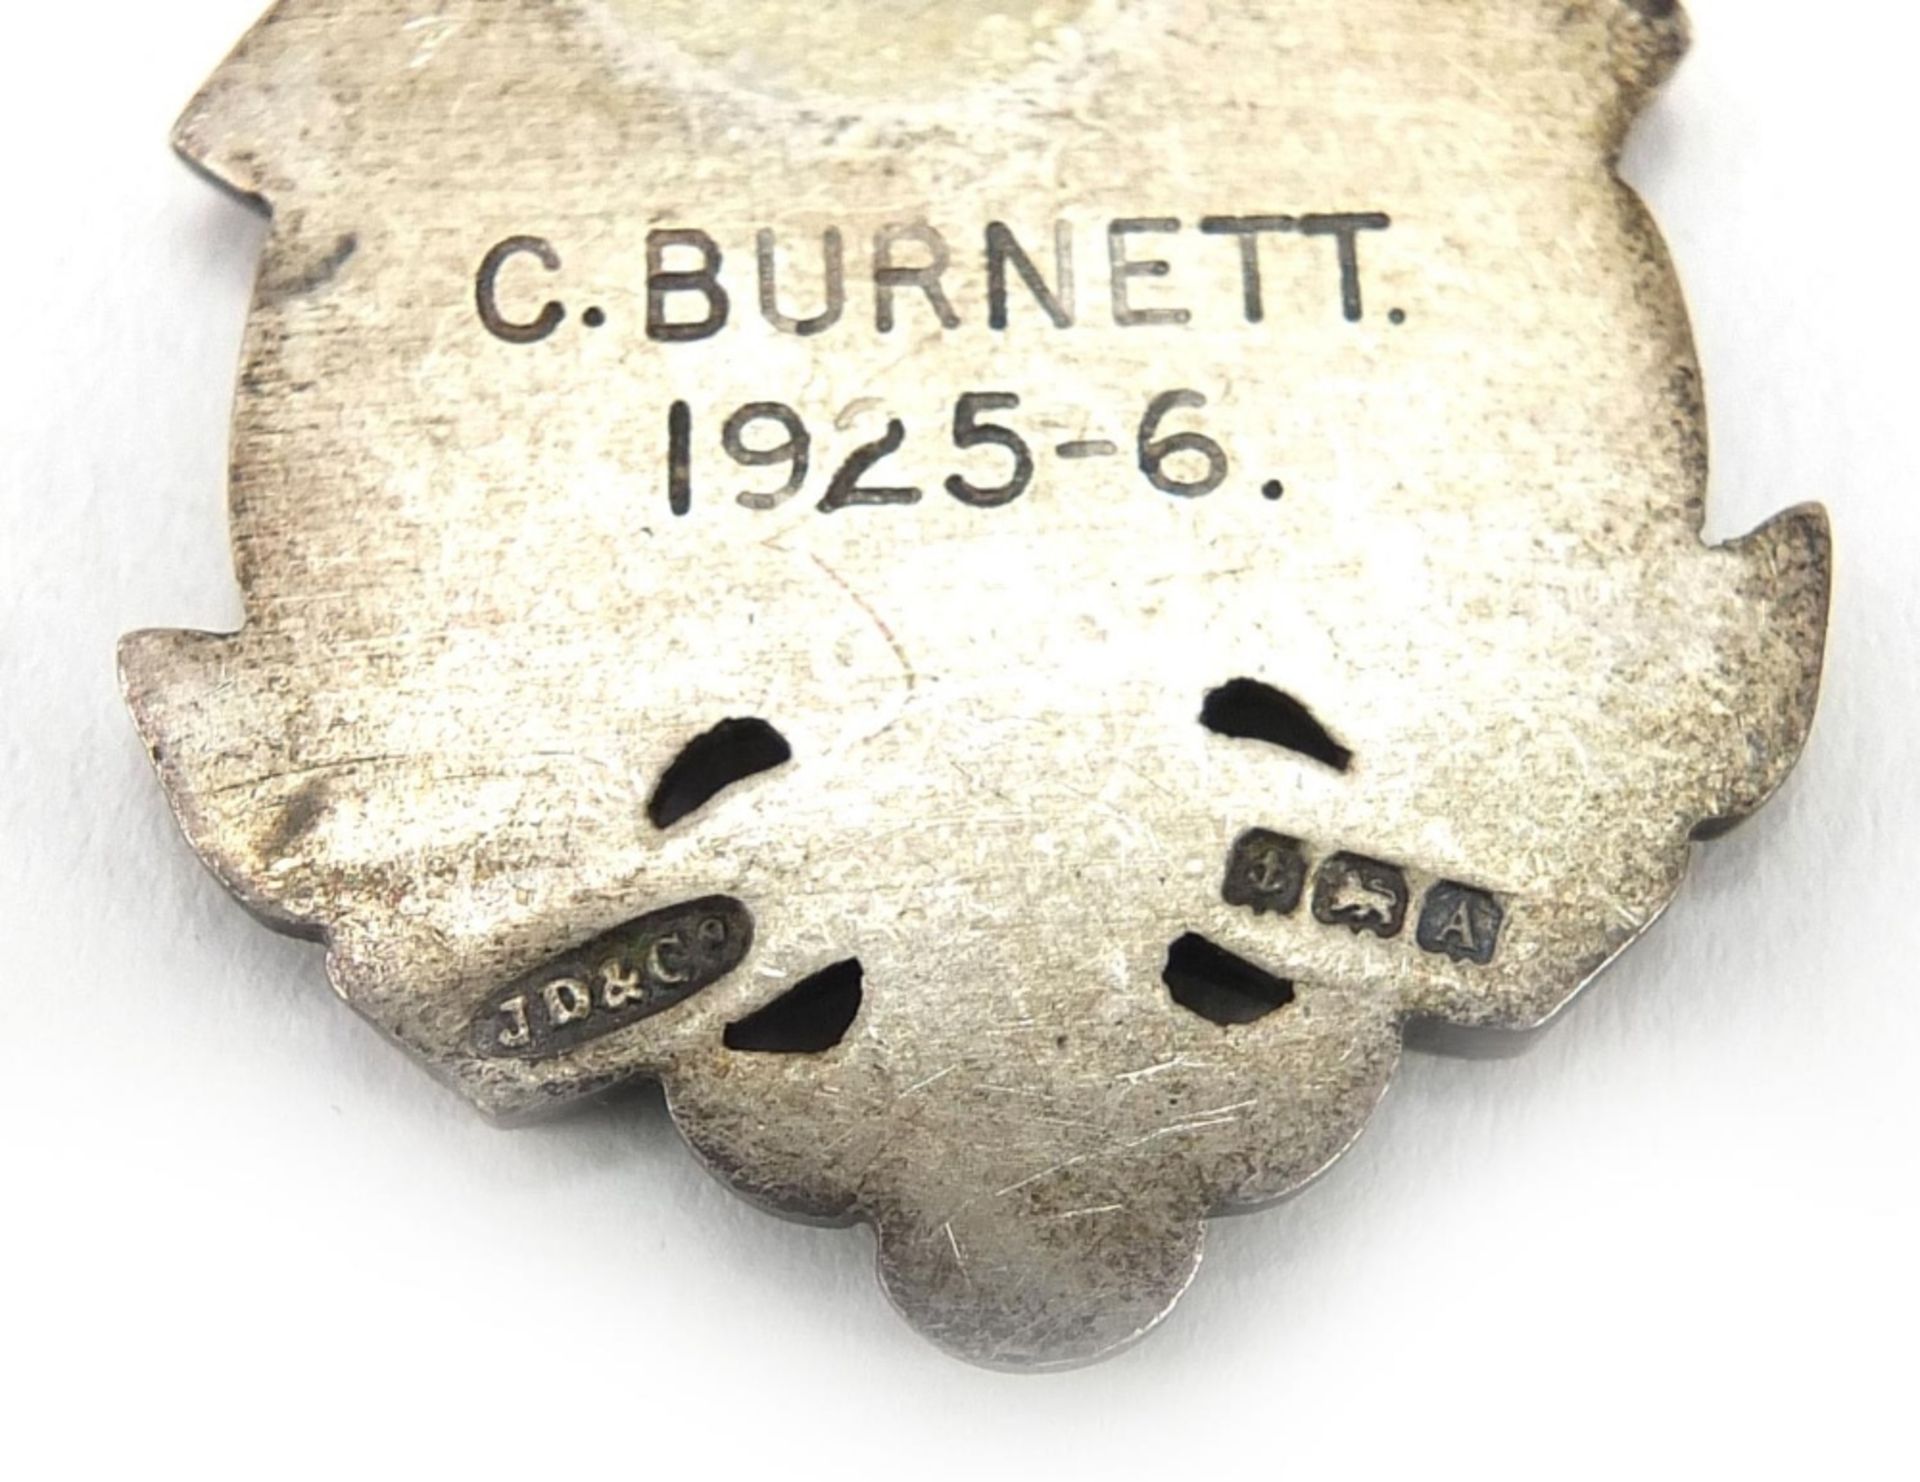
(1252,711)
(708,765)
(1210,981)
(809,1018)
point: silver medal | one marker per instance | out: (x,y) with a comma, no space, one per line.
(1000,597)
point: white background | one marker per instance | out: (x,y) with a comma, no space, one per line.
(239,1235)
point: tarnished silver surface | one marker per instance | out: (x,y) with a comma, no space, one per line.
(1429,523)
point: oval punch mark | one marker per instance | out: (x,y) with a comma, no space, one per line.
(619,978)
(1248,710)
(711,763)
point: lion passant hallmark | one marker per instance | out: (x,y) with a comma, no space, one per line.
(999,595)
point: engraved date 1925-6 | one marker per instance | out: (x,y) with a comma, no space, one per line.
(1186,464)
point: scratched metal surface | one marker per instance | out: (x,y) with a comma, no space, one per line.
(478,633)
